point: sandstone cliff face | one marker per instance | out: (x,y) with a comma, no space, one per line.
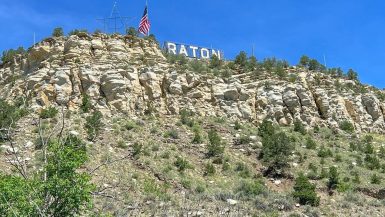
(131,76)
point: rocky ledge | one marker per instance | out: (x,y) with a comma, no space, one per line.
(132,76)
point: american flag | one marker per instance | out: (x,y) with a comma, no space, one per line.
(144,26)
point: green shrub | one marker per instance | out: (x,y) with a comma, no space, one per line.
(276,151)
(198,137)
(209,169)
(241,59)
(372,162)
(280,72)
(333,179)
(324,173)
(86,104)
(131,31)
(299,127)
(9,115)
(152,38)
(215,147)
(244,139)
(130,125)
(338,158)
(94,124)
(375,179)
(242,170)
(324,152)
(305,192)
(237,125)
(171,134)
(383,168)
(137,149)
(226,166)
(9,55)
(197,66)
(359,160)
(252,63)
(77,32)
(97,31)
(292,78)
(347,126)
(226,73)
(381,152)
(251,188)
(314,65)
(369,149)
(353,146)
(356,177)
(186,117)
(266,129)
(165,155)
(151,188)
(215,62)
(313,168)
(49,112)
(304,61)
(310,143)
(368,139)
(58,32)
(182,164)
(344,187)
(59,179)
(352,75)
(121,144)
(186,183)
(200,189)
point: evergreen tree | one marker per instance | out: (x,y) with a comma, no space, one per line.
(252,63)
(241,59)
(305,192)
(215,62)
(9,55)
(333,179)
(58,32)
(352,75)
(314,65)
(132,32)
(276,150)
(266,129)
(304,61)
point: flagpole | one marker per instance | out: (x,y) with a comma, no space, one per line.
(148,34)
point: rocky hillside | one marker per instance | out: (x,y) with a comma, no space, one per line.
(132,76)
(110,120)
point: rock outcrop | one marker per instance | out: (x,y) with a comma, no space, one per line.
(131,75)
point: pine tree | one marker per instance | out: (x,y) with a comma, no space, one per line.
(305,192)
(58,32)
(241,59)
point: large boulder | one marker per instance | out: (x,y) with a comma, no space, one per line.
(291,100)
(151,82)
(372,106)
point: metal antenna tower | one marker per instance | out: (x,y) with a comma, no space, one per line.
(115,21)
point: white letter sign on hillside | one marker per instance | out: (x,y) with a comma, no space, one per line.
(191,51)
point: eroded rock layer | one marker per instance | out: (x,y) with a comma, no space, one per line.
(131,75)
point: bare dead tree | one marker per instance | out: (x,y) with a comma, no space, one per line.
(19,165)
(46,139)
(16,161)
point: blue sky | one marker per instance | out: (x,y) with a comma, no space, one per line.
(350,33)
